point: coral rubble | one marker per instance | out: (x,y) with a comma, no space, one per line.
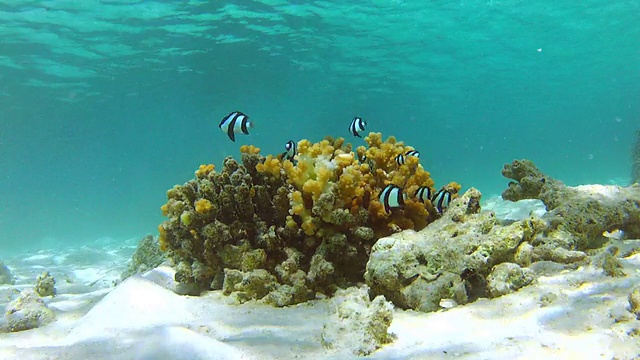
(281,231)
(579,215)
(45,285)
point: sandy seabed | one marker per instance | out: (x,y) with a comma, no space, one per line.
(567,314)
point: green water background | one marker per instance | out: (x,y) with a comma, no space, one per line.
(104,105)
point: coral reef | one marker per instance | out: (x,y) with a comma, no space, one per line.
(146,257)
(281,231)
(6,277)
(45,285)
(635,158)
(28,311)
(359,323)
(577,215)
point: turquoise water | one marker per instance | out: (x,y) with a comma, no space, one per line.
(104,105)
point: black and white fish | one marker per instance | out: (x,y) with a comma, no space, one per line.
(391,197)
(357,125)
(400,159)
(291,150)
(235,122)
(441,200)
(413,152)
(423,194)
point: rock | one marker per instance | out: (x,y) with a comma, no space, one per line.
(28,311)
(358,323)
(449,259)
(507,278)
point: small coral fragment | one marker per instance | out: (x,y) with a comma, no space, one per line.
(45,285)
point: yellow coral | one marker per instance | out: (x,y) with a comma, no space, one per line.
(162,238)
(344,160)
(203,206)
(296,202)
(249,149)
(271,165)
(204,170)
(308,226)
(165,209)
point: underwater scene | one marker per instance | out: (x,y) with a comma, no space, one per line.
(268,179)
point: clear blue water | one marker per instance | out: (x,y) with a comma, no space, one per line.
(104,105)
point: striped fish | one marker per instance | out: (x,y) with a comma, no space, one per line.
(441,200)
(413,152)
(234,123)
(357,125)
(291,150)
(423,194)
(392,197)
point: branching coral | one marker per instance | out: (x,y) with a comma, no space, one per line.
(282,230)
